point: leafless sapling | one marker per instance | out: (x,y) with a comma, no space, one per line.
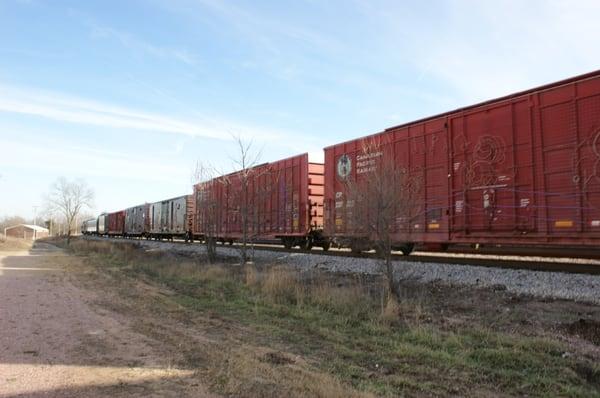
(382,199)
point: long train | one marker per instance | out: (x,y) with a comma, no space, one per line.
(520,170)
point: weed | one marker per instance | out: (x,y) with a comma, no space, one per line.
(351,338)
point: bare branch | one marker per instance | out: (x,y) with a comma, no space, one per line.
(68,198)
(382,200)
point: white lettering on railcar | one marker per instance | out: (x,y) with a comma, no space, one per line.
(367,162)
(371,155)
(458,206)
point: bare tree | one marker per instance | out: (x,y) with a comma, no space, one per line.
(382,199)
(9,221)
(69,198)
(208,207)
(242,205)
(246,161)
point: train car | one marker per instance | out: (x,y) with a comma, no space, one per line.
(137,221)
(518,170)
(89,227)
(280,201)
(171,218)
(102,224)
(116,223)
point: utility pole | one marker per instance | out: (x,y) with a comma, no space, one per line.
(35,214)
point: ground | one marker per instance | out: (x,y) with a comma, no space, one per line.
(105,319)
(56,342)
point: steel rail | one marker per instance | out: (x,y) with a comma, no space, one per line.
(538,263)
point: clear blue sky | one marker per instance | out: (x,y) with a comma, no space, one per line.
(129,94)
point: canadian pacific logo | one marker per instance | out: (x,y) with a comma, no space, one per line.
(344,166)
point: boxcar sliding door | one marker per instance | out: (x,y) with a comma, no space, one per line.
(492,170)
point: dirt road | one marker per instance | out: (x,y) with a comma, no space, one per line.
(55,342)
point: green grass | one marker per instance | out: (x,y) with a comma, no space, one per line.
(342,331)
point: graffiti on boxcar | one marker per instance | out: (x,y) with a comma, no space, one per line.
(481,166)
(417,145)
(434,141)
(586,162)
(484,164)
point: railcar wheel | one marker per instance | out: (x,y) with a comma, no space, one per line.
(380,251)
(306,244)
(355,249)
(407,248)
(287,243)
(326,246)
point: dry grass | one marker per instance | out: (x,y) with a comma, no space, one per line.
(212,273)
(12,244)
(263,372)
(281,285)
(328,294)
(276,331)
(251,276)
(390,313)
(240,369)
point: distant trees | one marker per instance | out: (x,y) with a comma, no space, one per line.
(9,221)
(69,198)
(381,202)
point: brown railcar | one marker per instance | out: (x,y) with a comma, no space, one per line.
(278,201)
(116,223)
(518,170)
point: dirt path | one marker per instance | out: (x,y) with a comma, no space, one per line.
(53,342)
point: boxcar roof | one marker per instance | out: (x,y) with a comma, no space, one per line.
(168,200)
(585,76)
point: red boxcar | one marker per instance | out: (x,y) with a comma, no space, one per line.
(520,170)
(283,201)
(116,223)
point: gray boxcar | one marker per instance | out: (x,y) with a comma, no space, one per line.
(137,220)
(171,218)
(89,227)
(102,226)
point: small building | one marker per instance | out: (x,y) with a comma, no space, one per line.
(25,231)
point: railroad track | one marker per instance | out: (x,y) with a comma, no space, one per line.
(537,263)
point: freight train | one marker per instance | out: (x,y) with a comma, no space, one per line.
(521,170)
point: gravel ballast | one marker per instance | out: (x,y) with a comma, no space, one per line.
(555,285)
